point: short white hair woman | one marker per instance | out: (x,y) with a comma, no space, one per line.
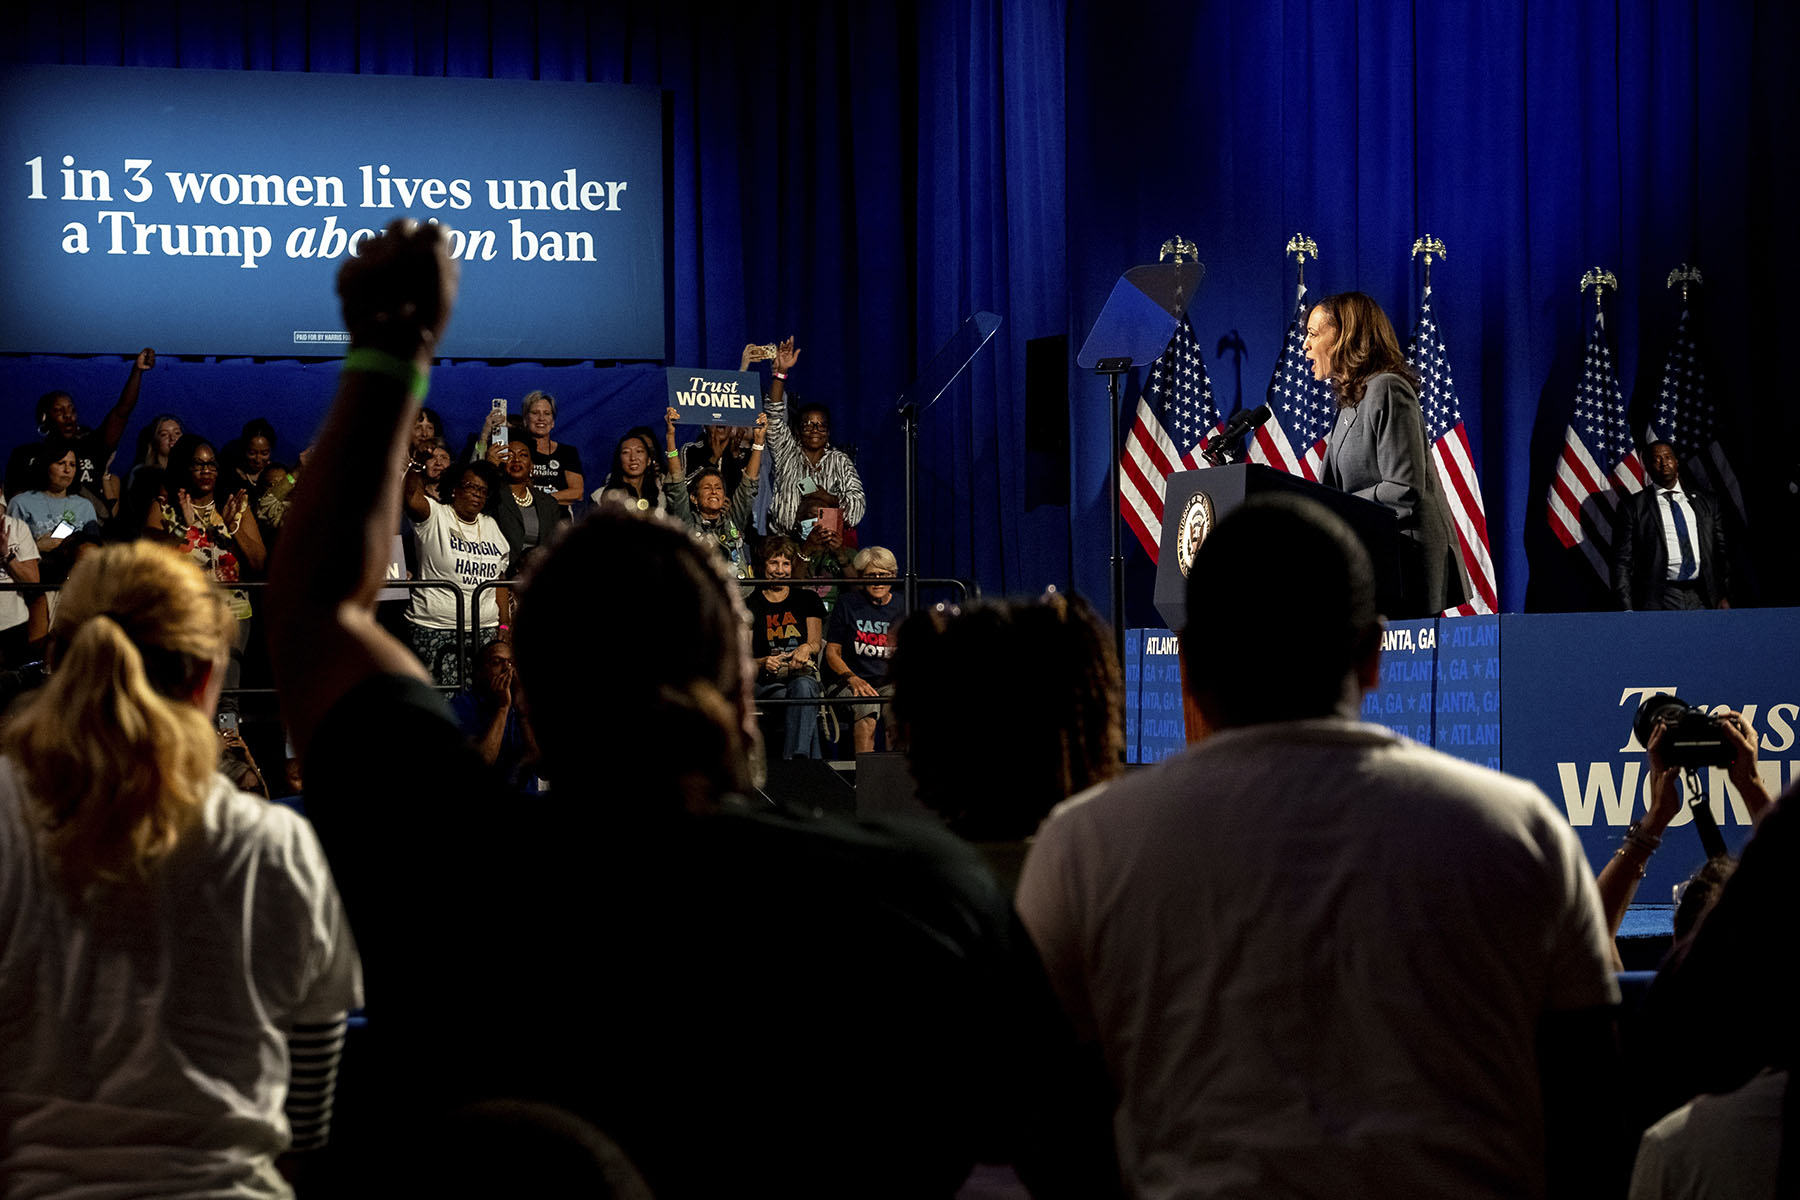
(164,939)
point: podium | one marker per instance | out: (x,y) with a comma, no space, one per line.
(1194,501)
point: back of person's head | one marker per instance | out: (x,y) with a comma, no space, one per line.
(1281,614)
(639,690)
(994,770)
(114,746)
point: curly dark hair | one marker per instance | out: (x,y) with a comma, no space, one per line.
(995,769)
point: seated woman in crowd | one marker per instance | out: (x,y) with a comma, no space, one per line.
(526,516)
(555,466)
(490,712)
(994,769)
(461,543)
(247,457)
(51,503)
(633,480)
(817,493)
(705,510)
(427,427)
(278,482)
(24,616)
(177,964)
(224,540)
(859,640)
(157,439)
(787,636)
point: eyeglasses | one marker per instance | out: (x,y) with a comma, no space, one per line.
(206,464)
(878,575)
(810,425)
(471,486)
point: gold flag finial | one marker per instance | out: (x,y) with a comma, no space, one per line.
(1180,249)
(1300,246)
(1685,275)
(1599,278)
(1429,246)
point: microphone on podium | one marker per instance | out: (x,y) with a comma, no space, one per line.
(1216,449)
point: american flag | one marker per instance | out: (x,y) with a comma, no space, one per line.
(1598,463)
(1294,439)
(1685,419)
(1175,412)
(1450,451)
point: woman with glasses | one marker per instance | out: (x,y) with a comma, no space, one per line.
(458,542)
(811,479)
(859,640)
(220,536)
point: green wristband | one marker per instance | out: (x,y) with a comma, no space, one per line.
(378,362)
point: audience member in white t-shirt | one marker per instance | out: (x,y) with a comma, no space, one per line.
(175,965)
(23,616)
(459,542)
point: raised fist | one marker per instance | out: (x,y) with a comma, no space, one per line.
(398,291)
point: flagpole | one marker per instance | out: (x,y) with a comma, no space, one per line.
(1112,368)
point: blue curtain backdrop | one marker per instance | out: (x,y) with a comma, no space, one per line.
(866,175)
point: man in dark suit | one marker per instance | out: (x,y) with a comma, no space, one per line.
(1668,543)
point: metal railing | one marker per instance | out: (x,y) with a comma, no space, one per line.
(467,634)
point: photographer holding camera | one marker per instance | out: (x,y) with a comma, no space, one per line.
(1619,879)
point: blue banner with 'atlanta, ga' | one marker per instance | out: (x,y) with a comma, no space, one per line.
(207,212)
(1550,698)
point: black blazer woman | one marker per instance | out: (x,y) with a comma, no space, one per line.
(1376,448)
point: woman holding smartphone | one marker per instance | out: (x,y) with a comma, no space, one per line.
(49,509)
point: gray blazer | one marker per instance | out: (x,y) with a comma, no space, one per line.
(1376,450)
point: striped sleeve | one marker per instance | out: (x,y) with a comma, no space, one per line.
(313,1053)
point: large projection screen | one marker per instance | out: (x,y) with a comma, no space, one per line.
(206,212)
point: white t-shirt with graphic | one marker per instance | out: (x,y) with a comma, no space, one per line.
(467,552)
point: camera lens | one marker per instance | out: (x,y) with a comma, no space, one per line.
(1660,707)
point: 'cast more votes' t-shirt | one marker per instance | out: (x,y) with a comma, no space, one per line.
(469,553)
(863,632)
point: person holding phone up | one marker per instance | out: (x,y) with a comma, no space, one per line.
(816,492)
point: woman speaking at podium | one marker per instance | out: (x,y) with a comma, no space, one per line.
(1376,449)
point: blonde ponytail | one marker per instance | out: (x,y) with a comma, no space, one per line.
(113,747)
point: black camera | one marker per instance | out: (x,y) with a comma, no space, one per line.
(1691,738)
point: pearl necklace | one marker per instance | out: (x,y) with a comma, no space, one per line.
(524,501)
